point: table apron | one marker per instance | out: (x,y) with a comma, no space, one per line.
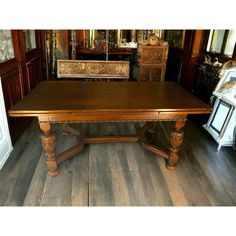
(83,118)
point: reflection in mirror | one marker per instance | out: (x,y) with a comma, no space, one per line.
(222,42)
(97,39)
(30,40)
(175,38)
(6,47)
(215,42)
(230,43)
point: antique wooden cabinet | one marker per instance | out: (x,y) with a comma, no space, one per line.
(152,62)
(206,79)
(20,70)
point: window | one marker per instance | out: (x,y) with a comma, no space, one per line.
(222,42)
(6,46)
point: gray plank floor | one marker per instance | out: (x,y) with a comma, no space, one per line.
(120,174)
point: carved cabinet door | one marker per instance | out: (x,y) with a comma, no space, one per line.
(150,73)
(152,62)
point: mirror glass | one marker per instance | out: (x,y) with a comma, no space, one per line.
(230,43)
(222,42)
(6,46)
(30,40)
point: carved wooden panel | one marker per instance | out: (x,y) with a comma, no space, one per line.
(144,73)
(92,69)
(150,56)
(150,73)
(156,73)
(154,58)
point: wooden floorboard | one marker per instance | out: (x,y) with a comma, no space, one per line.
(120,174)
(209,170)
(57,191)
(100,178)
(80,175)
(17,173)
(36,189)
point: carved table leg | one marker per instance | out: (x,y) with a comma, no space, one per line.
(49,146)
(176,139)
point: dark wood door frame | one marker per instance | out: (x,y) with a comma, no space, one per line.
(194,44)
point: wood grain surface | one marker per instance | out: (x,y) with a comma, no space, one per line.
(52,97)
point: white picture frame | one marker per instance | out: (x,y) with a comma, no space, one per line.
(220,116)
(221,124)
(228,75)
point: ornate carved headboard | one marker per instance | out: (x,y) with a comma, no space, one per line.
(93,69)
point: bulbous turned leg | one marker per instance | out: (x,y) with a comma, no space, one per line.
(176,139)
(48,139)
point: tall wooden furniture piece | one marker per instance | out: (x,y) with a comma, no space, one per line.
(21,71)
(102,70)
(207,77)
(83,102)
(152,62)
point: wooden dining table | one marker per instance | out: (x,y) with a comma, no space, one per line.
(70,102)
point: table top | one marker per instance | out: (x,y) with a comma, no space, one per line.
(58,97)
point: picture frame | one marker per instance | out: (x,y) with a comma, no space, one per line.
(228,75)
(221,123)
(220,117)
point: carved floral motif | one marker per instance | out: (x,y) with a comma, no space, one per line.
(94,68)
(152,56)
